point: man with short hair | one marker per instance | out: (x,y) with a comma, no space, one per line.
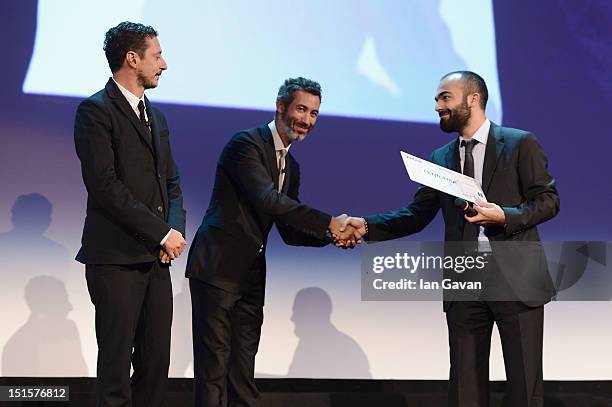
(135,220)
(511,167)
(256,185)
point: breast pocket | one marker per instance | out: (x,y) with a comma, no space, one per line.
(164,143)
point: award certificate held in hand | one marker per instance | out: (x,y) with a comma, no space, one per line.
(442,179)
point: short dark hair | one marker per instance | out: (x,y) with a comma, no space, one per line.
(286,93)
(472,83)
(126,36)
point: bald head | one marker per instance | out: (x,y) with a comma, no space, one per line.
(471,83)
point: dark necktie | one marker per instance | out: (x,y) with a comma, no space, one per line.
(468,160)
(143,117)
(470,231)
(281,169)
(143,120)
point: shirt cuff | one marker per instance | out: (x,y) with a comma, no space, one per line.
(165,237)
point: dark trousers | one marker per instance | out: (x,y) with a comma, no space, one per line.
(226,332)
(133,319)
(470,324)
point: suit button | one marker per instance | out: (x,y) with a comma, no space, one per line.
(158,176)
(261,249)
(160,209)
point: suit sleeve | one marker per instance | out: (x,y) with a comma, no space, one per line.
(541,199)
(176,212)
(244,161)
(291,235)
(94,148)
(408,220)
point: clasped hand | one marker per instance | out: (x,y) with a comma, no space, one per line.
(347,231)
(173,247)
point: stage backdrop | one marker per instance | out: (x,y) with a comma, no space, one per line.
(547,64)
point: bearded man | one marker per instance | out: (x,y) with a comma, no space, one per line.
(511,167)
(256,186)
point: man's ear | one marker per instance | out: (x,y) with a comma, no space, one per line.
(280,107)
(474,99)
(131,58)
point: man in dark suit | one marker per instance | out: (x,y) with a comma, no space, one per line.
(512,170)
(135,220)
(256,186)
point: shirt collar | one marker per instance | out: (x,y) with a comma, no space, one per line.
(131,98)
(482,134)
(278,142)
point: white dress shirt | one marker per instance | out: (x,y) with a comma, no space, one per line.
(281,151)
(132,100)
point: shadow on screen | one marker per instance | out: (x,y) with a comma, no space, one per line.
(48,343)
(323,351)
(25,250)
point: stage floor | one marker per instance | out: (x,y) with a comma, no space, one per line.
(336,393)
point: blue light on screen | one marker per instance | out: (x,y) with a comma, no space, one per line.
(374,59)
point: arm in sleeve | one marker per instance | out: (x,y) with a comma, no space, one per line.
(406,221)
(94,146)
(541,199)
(176,213)
(293,236)
(244,162)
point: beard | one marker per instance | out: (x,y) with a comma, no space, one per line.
(145,82)
(457,119)
(287,123)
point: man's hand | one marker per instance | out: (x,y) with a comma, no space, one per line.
(488,214)
(350,232)
(335,224)
(174,245)
(163,256)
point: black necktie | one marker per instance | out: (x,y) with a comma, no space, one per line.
(281,169)
(468,160)
(470,231)
(143,117)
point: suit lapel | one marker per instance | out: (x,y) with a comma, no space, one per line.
(115,94)
(453,161)
(495,146)
(288,164)
(272,162)
(154,132)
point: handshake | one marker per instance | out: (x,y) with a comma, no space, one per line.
(347,231)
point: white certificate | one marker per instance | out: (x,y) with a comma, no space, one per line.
(442,179)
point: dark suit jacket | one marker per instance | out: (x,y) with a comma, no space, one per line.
(245,203)
(515,177)
(133,189)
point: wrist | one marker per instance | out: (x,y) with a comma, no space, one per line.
(163,241)
(365,226)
